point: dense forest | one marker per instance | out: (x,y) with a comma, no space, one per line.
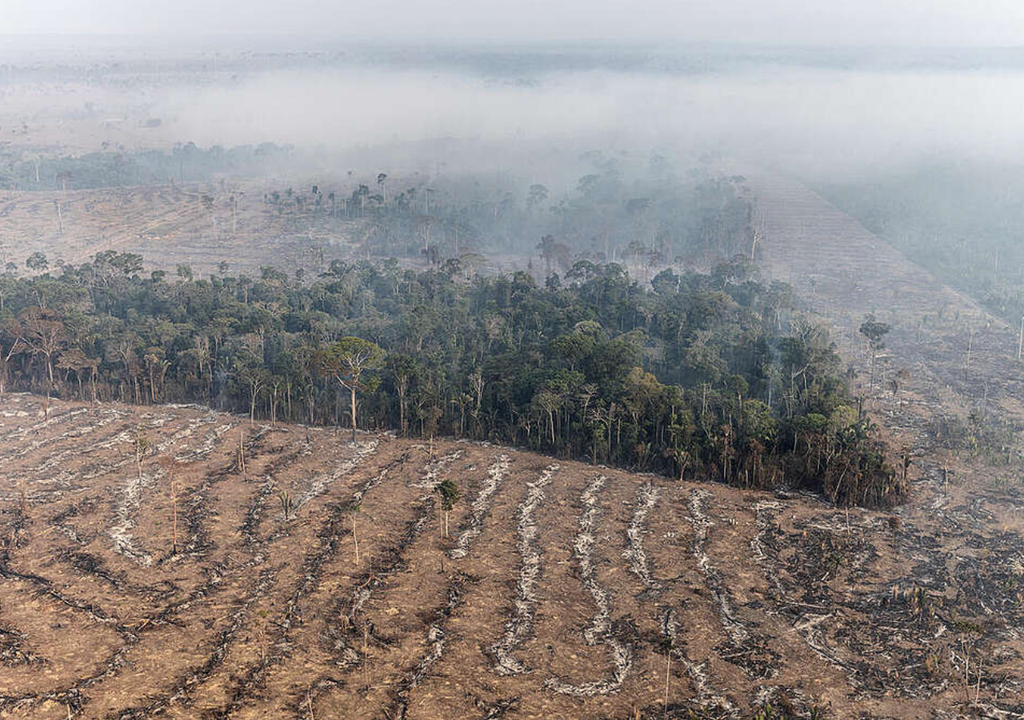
(696,375)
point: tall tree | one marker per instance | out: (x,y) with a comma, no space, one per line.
(347,361)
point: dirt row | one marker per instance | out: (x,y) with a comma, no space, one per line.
(562,590)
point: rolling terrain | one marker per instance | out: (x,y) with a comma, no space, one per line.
(555,595)
(564,589)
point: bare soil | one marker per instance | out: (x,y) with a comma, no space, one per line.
(263,615)
(169,225)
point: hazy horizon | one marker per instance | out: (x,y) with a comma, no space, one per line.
(916,23)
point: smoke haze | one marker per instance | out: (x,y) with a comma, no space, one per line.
(792,22)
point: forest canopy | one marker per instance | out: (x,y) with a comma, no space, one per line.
(695,375)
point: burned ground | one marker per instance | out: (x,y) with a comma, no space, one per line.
(557,594)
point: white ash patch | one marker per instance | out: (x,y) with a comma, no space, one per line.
(320,483)
(600,623)
(646,498)
(520,624)
(496,475)
(737,633)
(432,471)
(127,506)
(707,696)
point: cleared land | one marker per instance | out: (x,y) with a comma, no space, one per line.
(170,225)
(553,597)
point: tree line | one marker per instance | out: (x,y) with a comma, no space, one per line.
(698,375)
(642,215)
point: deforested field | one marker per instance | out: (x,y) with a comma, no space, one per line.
(563,589)
(169,225)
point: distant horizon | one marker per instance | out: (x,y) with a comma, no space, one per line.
(781,23)
(359,39)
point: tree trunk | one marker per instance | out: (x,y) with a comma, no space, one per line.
(352,395)
(355,538)
(668,675)
(174,502)
(241,454)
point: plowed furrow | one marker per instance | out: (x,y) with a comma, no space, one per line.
(600,628)
(518,627)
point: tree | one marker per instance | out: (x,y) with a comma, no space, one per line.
(37,262)
(74,360)
(44,334)
(536,195)
(547,246)
(548,402)
(347,361)
(875,333)
(448,494)
(402,370)
(254,377)
(353,510)
(14,346)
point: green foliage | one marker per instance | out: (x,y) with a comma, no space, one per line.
(37,262)
(112,168)
(449,494)
(348,359)
(287,504)
(712,376)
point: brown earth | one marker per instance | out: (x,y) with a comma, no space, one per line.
(263,615)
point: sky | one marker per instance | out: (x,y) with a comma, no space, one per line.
(773,22)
